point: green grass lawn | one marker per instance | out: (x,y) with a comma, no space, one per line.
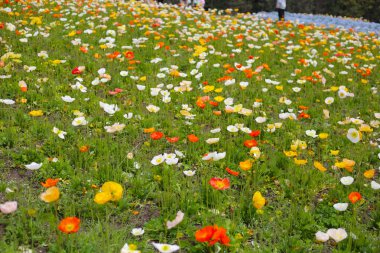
(261,133)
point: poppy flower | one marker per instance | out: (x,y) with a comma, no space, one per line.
(219,183)
(258,200)
(250,143)
(303,115)
(50,195)
(245,165)
(50,182)
(110,191)
(172,139)
(129,55)
(84,148)
(78,70)
(354,197)
(69,225)
(156,135)
(232,172)
(212,235)
(255,133)
(149,130)
(204,234)
(192,138)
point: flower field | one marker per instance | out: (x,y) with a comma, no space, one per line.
(126,127)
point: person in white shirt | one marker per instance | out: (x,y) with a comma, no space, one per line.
(280,7)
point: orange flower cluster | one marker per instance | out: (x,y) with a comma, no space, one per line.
(212,235)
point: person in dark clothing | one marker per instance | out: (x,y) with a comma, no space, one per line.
(280,7)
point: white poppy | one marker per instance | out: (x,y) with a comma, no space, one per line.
(117,127)
(337,234)
(161,75)
(7,101)
(166,248)
(329,100)
(212,140)
(129,249)
(128,115)
(341,206)
(216,130)
(321,237)
(109,108)
(311,133)
(260,119)
(33,166)
(347,180)
(137,231)
(123,73)
(353,135)
(189,173)
(232,129)
(79,121)
(158,159)
(68,99)
(296,89)
(229,101)
(179,153)
(214,156)
(375,185)
(101,71)
(61,134)
(153,108)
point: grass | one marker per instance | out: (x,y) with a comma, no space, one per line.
(281,55)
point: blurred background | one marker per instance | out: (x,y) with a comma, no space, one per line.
(367,9)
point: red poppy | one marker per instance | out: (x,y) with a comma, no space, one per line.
(192,138)
(354,197)
(255,133)
(213,103)
(78,70)
(156,135)
(172,139)
(232,172)
(129,55)
(250,143)
(200,104)
(219,183)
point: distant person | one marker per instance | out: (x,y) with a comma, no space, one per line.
(280,7)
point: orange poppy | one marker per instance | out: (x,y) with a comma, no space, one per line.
(219,183)
(84,148)
(149,130)
(250,143)
(212,235)
(172,139)
(50,182)
(354,197)
(129,55)
(69,225)
(192,138)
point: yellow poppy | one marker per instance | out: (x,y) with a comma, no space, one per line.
(50,195)
(258,200)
